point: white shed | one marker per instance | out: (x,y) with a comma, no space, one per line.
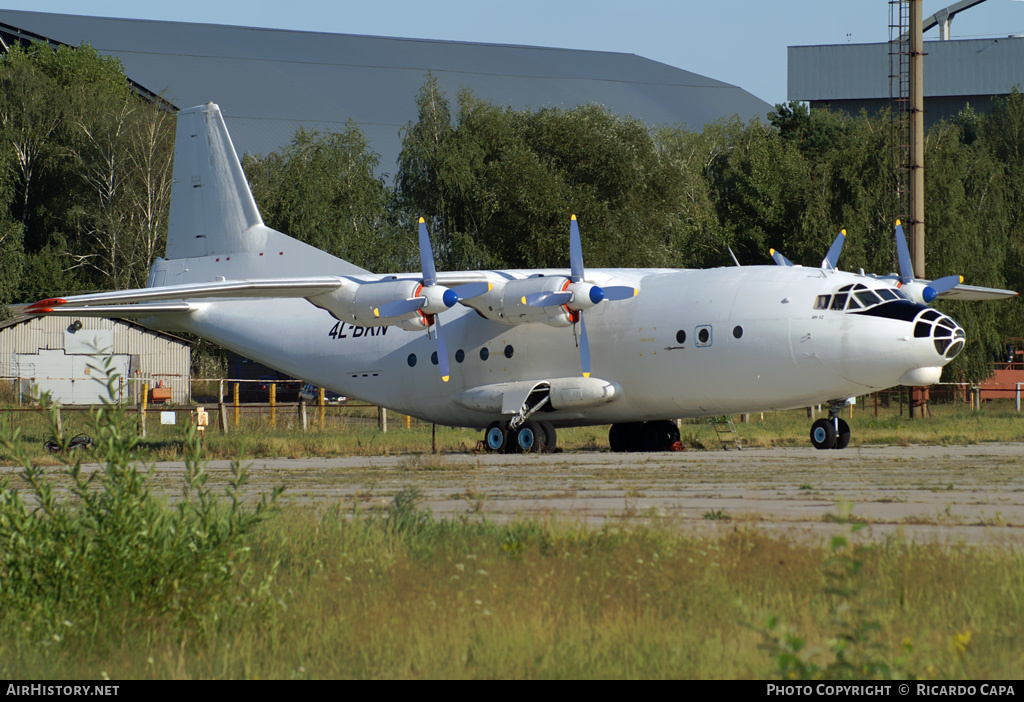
(65,356)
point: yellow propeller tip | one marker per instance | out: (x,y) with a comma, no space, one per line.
(376,312)
(898,223)
(445,378)
(524,299)
(771,252)
(636,291)
(422,221)
(586,375)
(961,279)
(843,232)
(573,217)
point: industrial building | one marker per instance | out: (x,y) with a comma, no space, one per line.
(65,357)
(957,73)
(269,82)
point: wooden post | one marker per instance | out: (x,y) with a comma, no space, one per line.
(273,405)
(321,401)
(235,398)
(60,425)
(382,420)
(408,421)
(142,410)
(433,437)
(302,414)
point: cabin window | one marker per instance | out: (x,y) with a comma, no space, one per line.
(484,353)
(822,302)
(704,335)
(839,301)
(412,360)
(460,356)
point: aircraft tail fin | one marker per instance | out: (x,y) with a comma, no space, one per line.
(213,212)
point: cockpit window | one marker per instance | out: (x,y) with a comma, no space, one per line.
(867,298)
(857,296)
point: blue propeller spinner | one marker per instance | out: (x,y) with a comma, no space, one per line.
(579,295)
(432,299)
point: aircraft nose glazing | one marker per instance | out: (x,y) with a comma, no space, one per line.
(946,335)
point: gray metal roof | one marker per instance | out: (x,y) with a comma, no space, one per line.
(967,67)
(268,82)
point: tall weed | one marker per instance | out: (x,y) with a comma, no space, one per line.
(84,551)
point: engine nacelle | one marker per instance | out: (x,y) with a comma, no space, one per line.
(919,292)
(356,303)
(504,303)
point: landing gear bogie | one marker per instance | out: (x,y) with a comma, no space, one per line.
(634,437)
(530,437)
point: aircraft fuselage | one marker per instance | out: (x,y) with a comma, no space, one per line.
(691,343)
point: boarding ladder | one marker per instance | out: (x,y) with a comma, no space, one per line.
(726,431)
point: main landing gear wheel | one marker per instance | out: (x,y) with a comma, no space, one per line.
(823,434)
(635,437)
(550,437)
(528,438)
(496,437)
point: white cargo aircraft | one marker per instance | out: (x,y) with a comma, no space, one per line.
(525,351)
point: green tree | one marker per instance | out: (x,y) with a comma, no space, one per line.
(322,190)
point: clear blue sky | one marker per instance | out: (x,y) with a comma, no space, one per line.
(742,42)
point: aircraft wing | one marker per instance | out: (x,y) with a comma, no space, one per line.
(143,302)
(973,292)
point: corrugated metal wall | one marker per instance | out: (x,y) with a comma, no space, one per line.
(967,67)
(150,357)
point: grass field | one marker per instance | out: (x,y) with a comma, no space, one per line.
(353,431)
(108,581)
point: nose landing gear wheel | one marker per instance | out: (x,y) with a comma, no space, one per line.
(823,434)
(842,435)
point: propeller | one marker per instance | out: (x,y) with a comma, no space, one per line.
(579,295)
(927,291)
(431,299)
(831,259)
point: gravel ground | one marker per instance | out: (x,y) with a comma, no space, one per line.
(969,494)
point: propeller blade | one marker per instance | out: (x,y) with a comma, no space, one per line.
(619,292)
(471,290)
(547,299)
(584,348)
(575,251)
(832,257)
(427,256)
(442,350)
(779,259)
(948,283)
(906,266)
(400,307)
